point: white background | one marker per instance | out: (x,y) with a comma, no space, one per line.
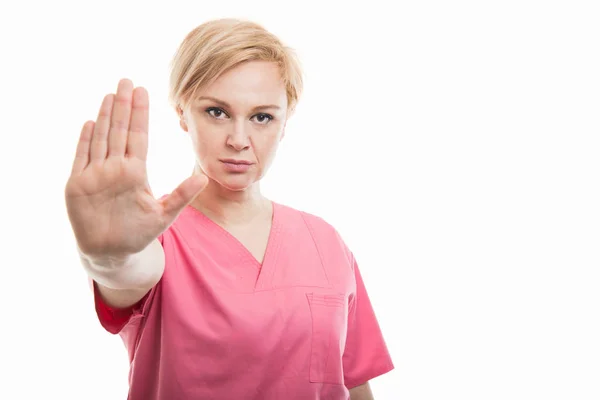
(453,144)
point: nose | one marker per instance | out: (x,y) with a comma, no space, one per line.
(238,138)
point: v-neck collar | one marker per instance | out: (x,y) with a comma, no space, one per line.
(266,268)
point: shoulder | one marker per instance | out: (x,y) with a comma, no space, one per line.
(322,231)
(315,221)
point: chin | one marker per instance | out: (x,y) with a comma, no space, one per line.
(236,183)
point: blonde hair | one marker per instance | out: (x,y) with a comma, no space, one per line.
(219,45)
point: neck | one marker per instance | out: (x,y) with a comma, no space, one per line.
(228,207)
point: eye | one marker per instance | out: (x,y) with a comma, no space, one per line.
(263,119)
(216,113)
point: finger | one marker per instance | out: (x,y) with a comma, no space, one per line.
(98,145)
(82,154)
(119,121)
(137,143)
(183,195)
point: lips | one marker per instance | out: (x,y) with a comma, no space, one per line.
(236,166)
(237,162)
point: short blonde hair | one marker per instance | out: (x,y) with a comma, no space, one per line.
(217,46)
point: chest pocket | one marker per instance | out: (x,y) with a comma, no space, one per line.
(329,327)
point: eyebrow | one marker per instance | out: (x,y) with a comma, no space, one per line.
(225,104)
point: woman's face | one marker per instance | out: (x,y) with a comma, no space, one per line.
(236,124)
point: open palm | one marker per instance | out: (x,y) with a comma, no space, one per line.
(110,205)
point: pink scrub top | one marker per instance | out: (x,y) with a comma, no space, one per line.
(219,325)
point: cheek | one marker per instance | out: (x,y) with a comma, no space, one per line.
(267,140)
(201,149)
(202,139)
(265,150)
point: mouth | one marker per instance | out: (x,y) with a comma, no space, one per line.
(237,162)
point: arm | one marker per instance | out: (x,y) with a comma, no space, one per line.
(362,392)
(114,215)
(366,355)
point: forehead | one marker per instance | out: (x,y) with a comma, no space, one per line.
(252,82)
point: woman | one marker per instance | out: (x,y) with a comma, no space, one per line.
(217,291)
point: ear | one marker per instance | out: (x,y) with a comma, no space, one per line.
(182,122)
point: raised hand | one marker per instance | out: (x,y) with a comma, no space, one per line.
(111,208)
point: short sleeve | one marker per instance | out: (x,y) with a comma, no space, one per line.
(366,355)
(111,318)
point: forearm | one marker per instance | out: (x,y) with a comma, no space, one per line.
(362,392)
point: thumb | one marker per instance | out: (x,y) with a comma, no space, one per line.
(183,195)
